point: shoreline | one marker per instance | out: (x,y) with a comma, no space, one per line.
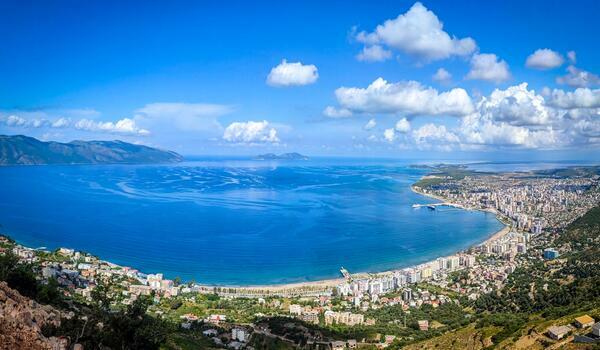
(335,281)
(325,285)
(499,234)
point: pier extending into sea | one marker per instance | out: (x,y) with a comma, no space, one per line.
(441,204)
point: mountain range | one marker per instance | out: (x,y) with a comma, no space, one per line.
(24,150)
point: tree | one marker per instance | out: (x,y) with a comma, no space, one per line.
(17,275)
(8,261)
(177,280)
(101,295)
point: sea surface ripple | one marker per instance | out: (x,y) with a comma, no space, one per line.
(237,222)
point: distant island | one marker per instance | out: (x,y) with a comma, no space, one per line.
(24,150)
(283,156)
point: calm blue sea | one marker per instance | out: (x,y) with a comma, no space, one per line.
(237,222)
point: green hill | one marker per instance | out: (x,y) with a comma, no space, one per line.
(537,297)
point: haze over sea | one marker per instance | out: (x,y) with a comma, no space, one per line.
(237,222)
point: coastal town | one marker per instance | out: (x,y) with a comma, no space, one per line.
(533,209)
(306,175)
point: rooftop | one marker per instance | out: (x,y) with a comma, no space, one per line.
(584,319)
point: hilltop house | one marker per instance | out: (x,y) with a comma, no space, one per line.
(584,321)
(558,332)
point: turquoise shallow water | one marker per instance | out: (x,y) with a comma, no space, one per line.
(237,222)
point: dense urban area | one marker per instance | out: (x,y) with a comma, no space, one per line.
(533,285)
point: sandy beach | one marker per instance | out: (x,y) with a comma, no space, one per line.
(327,284)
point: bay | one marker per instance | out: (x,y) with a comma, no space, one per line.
(237,222)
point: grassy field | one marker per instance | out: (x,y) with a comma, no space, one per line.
(468,338)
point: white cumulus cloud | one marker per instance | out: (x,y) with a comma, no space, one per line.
(250,132)
(123,126)
(543,59)
(403,126)
(61,123)
(389,135)
(516,105)
(370,124)
(580,98)
(418,33)
(292,74)
(434,134)
(487,66)
(408,97)
(374,53)
(515,117)
(14,120)
(17,121)
(579,78)
(333,112)
(477,129)
(442,76)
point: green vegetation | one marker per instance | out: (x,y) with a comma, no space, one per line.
(444,174)
(430,181)
(22,277)
(264,342)
(132,328)
(239,310)
(575,171)
(187,341)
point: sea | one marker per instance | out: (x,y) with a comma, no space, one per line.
(221,221)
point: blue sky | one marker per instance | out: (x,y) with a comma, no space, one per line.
(234,77)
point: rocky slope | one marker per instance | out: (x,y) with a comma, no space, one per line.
(21,321)
(24,150)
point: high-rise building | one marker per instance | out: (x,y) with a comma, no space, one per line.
(453,263)
(413,276)
(442,263)
(375,287)
(407,295)
(469,261)
(399,280)
(426,272)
